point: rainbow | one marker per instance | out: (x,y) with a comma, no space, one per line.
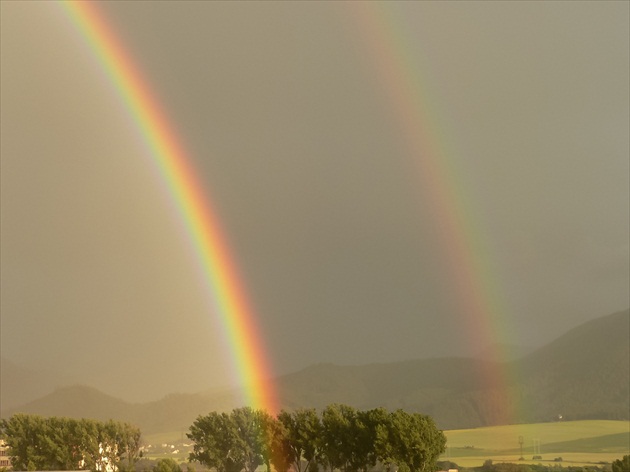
(427,145)
(200,219)
(464,250)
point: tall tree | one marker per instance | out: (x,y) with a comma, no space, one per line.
(268,426)
(621,465)
(251,427)
(303,429)
(366,427)
(339,436)
(232,442)
(281,451)
(410,440)
(216,443)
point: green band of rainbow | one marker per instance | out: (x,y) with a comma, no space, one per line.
(198,215)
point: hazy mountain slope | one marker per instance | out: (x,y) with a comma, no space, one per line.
(20,385)
(444,388)
(506,352)
(76,401)
(178,411)
(174,412)
(583,374)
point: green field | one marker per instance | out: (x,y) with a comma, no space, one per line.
(576,442)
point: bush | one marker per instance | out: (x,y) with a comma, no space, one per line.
(167,465)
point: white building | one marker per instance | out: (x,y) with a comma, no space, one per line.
(5,460)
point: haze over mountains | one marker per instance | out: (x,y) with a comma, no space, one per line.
(584,374)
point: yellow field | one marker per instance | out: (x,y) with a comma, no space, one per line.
(576,442)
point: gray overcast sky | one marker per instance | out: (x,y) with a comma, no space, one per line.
(292,131)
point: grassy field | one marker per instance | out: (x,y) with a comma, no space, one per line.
(576,442)
(174,445)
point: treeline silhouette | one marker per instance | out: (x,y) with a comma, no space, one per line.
(340,438)
(38,443)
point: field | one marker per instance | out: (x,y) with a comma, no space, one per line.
(160,445)
(576,442)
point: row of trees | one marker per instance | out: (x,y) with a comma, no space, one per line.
(341,437)
(54,443)
(304,440)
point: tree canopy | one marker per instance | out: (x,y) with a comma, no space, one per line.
(340,438)
(38,443)
(621,465)
(167,465)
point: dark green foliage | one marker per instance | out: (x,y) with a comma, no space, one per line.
(411,439)
(167,465)
(338,436)
(233,442)
(621,465)
(215,439)
(342,438)
(38,443)
(300,440)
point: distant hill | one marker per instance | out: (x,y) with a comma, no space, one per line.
(505,352)
(584,374)
(581,375)
(20,385)
(173,412)
(443,388)
(78,401)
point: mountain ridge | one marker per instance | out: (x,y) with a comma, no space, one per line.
(583,374)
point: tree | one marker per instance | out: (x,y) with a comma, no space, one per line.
(167,465)
(267,427)
(302,440)
(343,438)
(367,427)
(281,451)
(339,436)
(23,435)
(251,426)
(410,439)
(230,443)
(37,443)
(216,443)
(131,440)
(621,465)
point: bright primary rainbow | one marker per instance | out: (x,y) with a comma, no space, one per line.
(476,288)
(387,44)
(237,317)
